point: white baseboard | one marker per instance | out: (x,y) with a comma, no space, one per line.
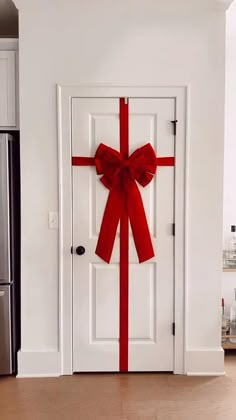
(34,364)
(206,374)
(205,362)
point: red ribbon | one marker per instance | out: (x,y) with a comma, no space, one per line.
(120,176)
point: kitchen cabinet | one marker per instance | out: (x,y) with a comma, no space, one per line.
(8,86)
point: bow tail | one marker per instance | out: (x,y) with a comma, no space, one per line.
(109,226)
(139,225)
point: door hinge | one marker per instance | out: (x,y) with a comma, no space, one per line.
(173,328)
(173,229)
(174,122)
(71,250)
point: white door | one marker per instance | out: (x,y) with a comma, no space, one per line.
(95,283)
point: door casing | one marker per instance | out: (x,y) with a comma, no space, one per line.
(64,99)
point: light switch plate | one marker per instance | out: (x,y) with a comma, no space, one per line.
(53,220)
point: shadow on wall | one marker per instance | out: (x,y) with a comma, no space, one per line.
(8,19)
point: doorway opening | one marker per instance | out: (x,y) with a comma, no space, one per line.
(94,110)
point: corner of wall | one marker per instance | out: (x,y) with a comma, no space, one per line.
(223,4)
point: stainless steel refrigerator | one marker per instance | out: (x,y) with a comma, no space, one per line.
(9,252)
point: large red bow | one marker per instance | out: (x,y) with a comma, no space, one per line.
(120,176)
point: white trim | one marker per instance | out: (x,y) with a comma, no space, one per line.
(39,375)
(9,128)
(205,362)
(65,232)
(186,220)
(11,76)
(64,94)
(9,44)
(31,364)
(182,5)
(180,231)
(206,373)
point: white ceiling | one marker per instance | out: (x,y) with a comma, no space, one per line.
(8,19)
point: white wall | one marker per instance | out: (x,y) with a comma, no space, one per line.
(125,42)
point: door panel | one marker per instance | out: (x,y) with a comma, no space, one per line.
(96,284)
(105,300)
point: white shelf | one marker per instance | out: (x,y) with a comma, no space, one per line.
(227,345)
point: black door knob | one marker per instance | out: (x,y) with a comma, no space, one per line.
(80,250)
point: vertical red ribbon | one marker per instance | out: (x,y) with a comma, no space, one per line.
(124,246)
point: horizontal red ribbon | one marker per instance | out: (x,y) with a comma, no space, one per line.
(88,161)
(165,161)
(82,161)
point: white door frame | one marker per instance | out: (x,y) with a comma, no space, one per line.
(65,95)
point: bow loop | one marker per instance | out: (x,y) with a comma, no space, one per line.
(108,163)
(141,166)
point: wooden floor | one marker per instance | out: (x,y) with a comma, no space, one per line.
(121,397)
